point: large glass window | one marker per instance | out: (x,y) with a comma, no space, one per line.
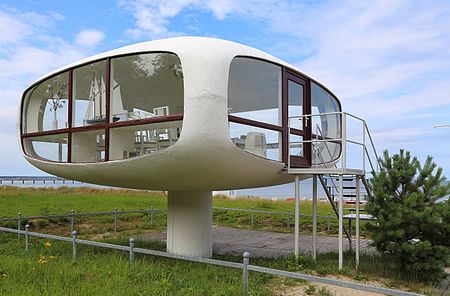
(89,95)
(254,90)
(45,105)
(325,126)
(146,85)
(135,140)
(88,146)
(47,147)
(258,141)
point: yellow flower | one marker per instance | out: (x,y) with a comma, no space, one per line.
(4,275)
(51,257)
(47,244)
(33,269)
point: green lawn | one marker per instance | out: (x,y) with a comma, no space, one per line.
(50,270)
(45,201)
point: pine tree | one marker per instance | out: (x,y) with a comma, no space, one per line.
(411,225)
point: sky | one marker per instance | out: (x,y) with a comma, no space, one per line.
(387,61)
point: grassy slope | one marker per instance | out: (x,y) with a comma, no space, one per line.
(41,201)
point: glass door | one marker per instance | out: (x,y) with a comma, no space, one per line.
(298,127)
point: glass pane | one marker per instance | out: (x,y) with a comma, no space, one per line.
(146,85)
(88,146)
(296,145)
(49,147)
(89,93)
(254,90)
(132,141)
(295,104)
(326,126)
(46,105)
(261,142)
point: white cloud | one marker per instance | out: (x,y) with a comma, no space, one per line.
(89,38)
(29,48)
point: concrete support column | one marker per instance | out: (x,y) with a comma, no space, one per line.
(341,222)
(189,223)
(297,217)
(314,217)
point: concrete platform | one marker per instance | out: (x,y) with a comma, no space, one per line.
(232,241)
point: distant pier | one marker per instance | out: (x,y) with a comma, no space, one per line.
(34,180)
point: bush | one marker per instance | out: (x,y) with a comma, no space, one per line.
(411,225)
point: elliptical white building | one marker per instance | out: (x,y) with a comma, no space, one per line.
(187,115)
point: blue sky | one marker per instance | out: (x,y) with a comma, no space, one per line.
(388,61)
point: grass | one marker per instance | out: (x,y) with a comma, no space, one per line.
(46,201)
(49,270)
(101,271)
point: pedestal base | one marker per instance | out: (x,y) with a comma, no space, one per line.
(189,223)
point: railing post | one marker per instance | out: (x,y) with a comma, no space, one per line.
(72,221)
(288,219)
(115,219)
(131,252)
(252,217)
(74,244)
(19,223)
(328,223)
(344,141)
(151,216)
(246,259)
(27,228)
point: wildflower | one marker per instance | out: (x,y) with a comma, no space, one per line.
(51,257)
(47,244)
(4,275)
(42,260)
(33,269)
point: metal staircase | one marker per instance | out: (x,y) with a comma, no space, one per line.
(331,168)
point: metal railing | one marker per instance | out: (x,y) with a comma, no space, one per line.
(245,266)
(72,215)
(340,138)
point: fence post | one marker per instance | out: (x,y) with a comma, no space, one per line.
(19,224)
(151,217)
(74,244)
(27,228)
(131,252)
(328,223)
(115,219)
(72,221)
(288,219)
(246,258)
(252,217)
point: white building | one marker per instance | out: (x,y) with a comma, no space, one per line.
(188,115)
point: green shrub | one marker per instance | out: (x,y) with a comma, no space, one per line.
(411,226)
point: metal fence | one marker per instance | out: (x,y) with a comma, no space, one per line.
(72,215)
(245,266)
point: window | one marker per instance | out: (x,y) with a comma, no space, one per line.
(145,86)
(254,90)
(48,147)
(89,95)
(254,93)
(326,126)
(143,95)
(135,140)
(46,105)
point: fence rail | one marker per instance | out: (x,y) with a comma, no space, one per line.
(72,215)
(245,266)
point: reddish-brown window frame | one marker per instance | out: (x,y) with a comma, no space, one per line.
(307,133)
(106,127)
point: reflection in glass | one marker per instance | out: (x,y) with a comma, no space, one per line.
(132,141)
(89,95)
(296,145)
(254,90)
(146,85)
(88,146)
(45,105)
(48,147)
(295,104)
(327,126)
(261,142)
